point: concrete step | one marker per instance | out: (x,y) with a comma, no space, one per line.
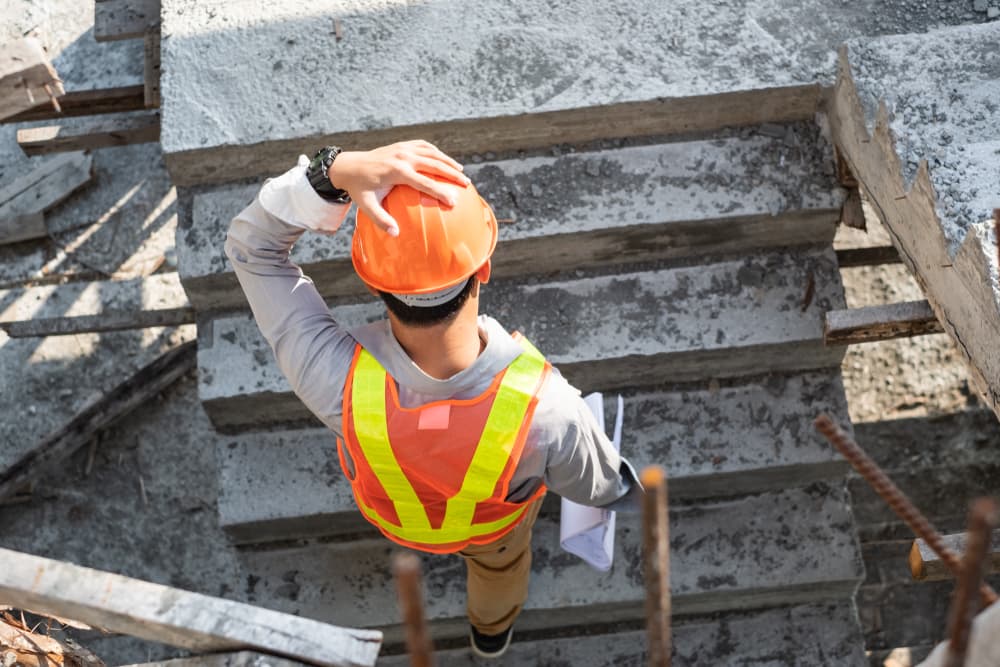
(817,635)
(768,186)
(784,547)
(748,437)
(481,75)
(740,317)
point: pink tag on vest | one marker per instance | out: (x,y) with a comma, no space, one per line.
(435,417)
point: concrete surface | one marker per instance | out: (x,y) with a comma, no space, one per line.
(735,317)
(777,548)
(487,75)
(807,636)
(765,186)
(718,441)
(181,618)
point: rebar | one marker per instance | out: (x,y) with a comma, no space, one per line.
(656,564)
(406,568)
(895,498)
(982,519)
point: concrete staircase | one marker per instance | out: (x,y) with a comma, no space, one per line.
(695,290)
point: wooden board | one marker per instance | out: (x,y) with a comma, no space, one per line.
(874,323)
(23,201)
(925,565)
(151,70)
(957,286)
(125,19)
(25,72)
(99,414)
(851,257)
(108,321)
(176,617)
(85,103)
(91,134)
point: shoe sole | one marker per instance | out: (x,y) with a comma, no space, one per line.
(489,656)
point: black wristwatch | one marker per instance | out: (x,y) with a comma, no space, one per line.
(319,177)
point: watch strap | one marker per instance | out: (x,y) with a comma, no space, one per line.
(318,174)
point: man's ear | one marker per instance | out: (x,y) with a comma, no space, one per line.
(372,290)
(483,274)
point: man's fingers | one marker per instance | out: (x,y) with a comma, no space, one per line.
(429,186)
(372,207)
(442,169)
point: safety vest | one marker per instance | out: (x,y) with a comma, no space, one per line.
(435,478)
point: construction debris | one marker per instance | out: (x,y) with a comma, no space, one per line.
(86,103)
(965,604)
(24,201)
(125,19)
(27,78)
(176,617)
(107,321)
(406,568)
(877,323)
(656,565)
(90,134)
(97,415)
(925,565)
(896,499)
(21,646)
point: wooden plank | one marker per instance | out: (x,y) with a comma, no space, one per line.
(179,618)
(875,323)
(108,321)
(99,414)
(125,19)
(27,78)
(98,133)
(957,285)
(925,565)
(86,103)
(151,70)
(23,201)
(851,257)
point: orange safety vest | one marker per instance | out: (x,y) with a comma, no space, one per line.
(435,478)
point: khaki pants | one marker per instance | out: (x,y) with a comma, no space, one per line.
(498,574)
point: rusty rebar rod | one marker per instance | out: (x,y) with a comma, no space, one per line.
(406,568)
(895,498)
(656,564)
(983,516)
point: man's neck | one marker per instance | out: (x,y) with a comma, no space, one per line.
(444,349)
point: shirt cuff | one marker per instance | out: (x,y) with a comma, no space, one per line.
(291,198)
(631,500)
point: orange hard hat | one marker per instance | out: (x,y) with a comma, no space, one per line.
(437,247)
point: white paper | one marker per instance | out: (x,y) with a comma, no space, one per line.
(589,532)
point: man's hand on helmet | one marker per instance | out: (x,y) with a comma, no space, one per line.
(368,176)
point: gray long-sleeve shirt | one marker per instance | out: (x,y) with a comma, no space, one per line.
(564,447)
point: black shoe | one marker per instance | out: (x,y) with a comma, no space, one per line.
(490,646)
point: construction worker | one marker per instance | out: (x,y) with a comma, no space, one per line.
(449,428)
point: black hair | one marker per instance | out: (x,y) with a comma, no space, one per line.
(420,316)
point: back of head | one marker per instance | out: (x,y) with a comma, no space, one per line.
(433,260)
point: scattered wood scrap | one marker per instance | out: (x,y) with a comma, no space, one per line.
(885,254)
(24,201)
(151,70)
(876,323)
(19,645)
(98,415)
(27,78)
(107,321)
(85,103)
(925,565)
(125,19)
(176,617)
(90,134)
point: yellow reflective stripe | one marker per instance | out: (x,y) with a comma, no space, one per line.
(441,536)
(498,437)
(368,406)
